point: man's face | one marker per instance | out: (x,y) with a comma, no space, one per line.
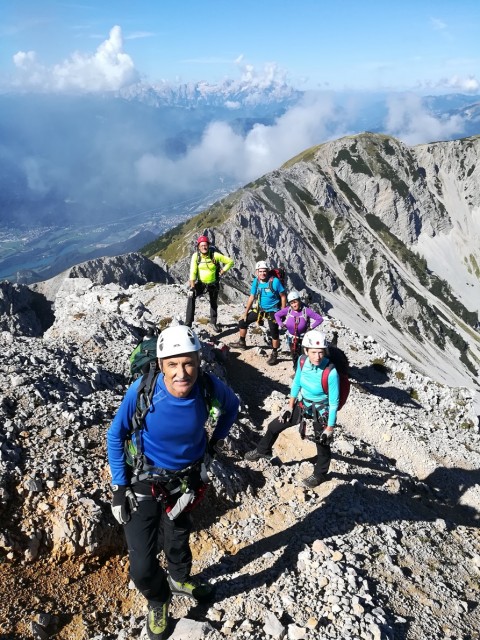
(262,274)
(180,373)
(203,247)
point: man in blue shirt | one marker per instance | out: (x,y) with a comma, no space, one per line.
(157,494)
(267,296)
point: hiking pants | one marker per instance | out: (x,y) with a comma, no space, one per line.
(149,529)
(200,288)
(269,315)
(295,348)
(275,428)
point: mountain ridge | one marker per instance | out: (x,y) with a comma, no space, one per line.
(353,215)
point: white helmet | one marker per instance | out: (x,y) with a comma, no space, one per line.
(293,295)
(261,264)
(174,341)
(315,340)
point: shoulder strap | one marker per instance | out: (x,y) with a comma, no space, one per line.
(144,401)
(206,385)
(325,374)
(270,280)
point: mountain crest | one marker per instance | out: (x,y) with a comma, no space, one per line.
(378,232)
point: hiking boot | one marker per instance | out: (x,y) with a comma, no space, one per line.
(273,359)
(254,455)
(157,621)
(313,481)
(192,588)
(240,344)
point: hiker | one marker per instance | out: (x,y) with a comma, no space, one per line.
(309,402)
(267,296)
(297,319)
(168,473)
(207,266)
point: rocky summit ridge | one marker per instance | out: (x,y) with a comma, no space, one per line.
(387,548)
(380,233)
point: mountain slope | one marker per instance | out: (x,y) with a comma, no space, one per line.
(360,223)
(388,548)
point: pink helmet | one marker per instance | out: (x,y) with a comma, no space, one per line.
(201,239)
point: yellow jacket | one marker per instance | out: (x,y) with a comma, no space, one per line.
(205,270)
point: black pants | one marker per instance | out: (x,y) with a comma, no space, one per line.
(269,316)
(198,290)
(296,349)
(148,525)
(275,428)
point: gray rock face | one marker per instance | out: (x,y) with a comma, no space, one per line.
(381,233)
(393,532)
(124,271)
(23,311)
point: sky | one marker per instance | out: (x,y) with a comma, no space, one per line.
(368,45)
(350,48)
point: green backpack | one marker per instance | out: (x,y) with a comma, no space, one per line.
(144,353)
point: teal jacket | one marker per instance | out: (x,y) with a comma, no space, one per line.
(307,386)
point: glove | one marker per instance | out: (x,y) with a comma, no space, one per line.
(215,446)
(124,503)
(286,417)
(326,436)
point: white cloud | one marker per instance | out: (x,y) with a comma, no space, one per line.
(136,35)
(409,120)
(438,25)
(469,84)
(269,75)
(24,59)
(223,152)
(108,69)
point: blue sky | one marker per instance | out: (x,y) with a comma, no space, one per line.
(311,44)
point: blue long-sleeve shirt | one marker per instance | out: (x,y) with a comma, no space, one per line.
(307,384)
(173,436)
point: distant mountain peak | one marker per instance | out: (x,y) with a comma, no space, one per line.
(234,93)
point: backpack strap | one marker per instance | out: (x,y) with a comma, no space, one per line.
(144,401)
(270,280)
(325,374)
(302,360)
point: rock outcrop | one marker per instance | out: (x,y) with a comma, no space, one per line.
(124,270)
(393,534)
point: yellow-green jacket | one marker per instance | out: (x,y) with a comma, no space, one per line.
(205,270)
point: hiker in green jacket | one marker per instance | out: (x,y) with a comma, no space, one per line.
(207,266)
